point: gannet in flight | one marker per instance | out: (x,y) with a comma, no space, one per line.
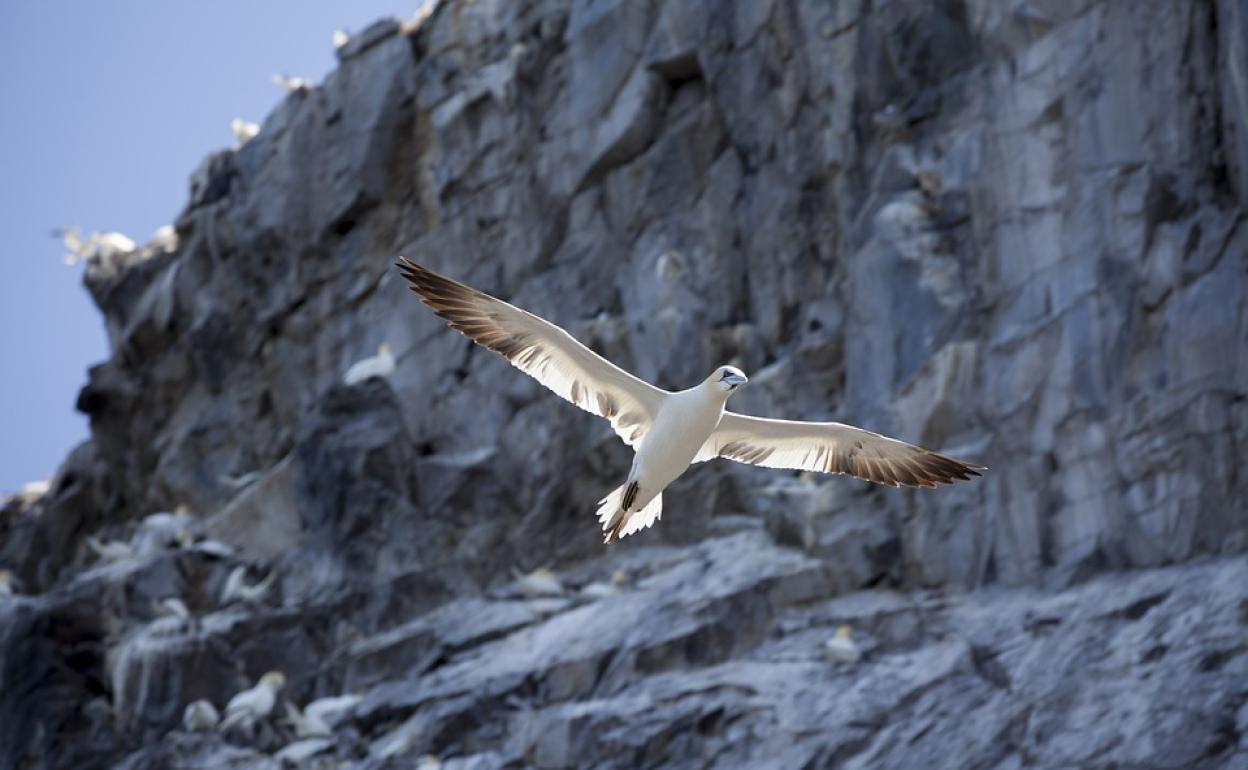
(670,431)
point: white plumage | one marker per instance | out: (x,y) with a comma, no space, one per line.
(165,238)
(200,716)
(172,606)
(305,726)
(109,550)
(332,709)
(842,648)
(96,246)
(237,589)
(380,365)
(321,716)
(669,431)
(290,84)
(252,705)
(538,583)
(244,130)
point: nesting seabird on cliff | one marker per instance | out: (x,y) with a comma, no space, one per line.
(255,704)
(670,431)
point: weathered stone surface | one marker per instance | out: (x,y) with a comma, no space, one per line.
(1014,231)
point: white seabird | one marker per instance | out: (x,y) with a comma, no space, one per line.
(670,431)
(306,726)
(244,130)
(842,648)
(200,716)
(321,716)
(380,365)
(538,583)
(290,84)
(332,709)
(6,583)
(236,588)
(110,550)
(251,705)
(96,246)
(173,607)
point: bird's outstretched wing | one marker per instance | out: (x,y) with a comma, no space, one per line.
(830,447)
(541,350)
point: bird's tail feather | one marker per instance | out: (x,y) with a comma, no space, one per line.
(619,522)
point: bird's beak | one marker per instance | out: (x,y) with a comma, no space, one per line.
(735,380)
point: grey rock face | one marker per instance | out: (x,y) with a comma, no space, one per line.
(1013,231)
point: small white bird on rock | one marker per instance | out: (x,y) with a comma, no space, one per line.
(305,726)
(670,431)
(250,706)
(172,606)
(333,709)
(538,583)
(6,583)
(842,648)
(244,130)
(96,246)
(321,716)
(164,521)
(236,588)
(161,530)
(200,716)
(33,490)
(165,238)
(290,84)
(109,550)
(380,365)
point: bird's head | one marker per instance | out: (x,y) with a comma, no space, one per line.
(385,348)
(727,379)
(274,680)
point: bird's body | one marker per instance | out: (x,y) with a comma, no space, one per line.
(333,709)
(684,422)
(842,648)
(109,550)
(670,431)
(237,589)
(200,716)
(682,426)
(244,130)
(380,365)
(306,725)
(538,583)
(254,704)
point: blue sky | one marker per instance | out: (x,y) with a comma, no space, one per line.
(108,108)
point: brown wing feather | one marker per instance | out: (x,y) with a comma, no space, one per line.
(831,447)
(540,349)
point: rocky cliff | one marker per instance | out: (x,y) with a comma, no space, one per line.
(1014,231)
